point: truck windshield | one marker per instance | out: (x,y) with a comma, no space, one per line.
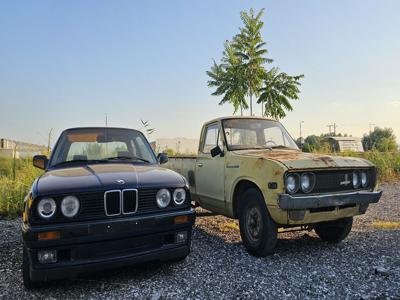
(102,144)
(256,134)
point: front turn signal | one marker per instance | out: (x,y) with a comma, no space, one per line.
(181,219)
(48,235)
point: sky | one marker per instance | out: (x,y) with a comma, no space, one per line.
(69,63)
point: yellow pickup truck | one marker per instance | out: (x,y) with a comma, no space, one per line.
(250,168)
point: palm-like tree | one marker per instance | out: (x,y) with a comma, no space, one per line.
(278,90)
(228,79)
(249,46)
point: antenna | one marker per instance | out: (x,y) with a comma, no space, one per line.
(106,120)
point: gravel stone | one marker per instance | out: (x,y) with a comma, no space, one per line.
(364,266)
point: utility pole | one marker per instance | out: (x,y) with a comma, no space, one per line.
(301,139)
(334,128)
(106,121)
(49,140)
(369,137)
(330,128)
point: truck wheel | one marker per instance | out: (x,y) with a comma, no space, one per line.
(257,229)
(334,231)
(28,283)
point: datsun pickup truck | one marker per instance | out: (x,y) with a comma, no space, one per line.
(103,202)
(250,168)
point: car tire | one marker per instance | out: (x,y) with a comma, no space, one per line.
(28,283)
(334,231)
(257,229)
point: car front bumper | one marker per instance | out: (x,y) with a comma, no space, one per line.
(112,243)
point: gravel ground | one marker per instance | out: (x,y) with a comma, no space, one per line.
(365,266)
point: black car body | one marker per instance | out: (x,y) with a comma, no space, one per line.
(117,220)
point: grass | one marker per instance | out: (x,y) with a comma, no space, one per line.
(386,224)
(15,182)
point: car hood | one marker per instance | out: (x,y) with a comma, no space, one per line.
(99,177)
(294,159)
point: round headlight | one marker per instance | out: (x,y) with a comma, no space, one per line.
(356,180)
(307,181)
(70,206)
(163,198)
(292,183)
(179,196)
(46,207)
(364,179)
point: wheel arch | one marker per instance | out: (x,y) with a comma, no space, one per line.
(240,187)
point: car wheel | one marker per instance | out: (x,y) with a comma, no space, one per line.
(28,283)
(257,229)
(334,231)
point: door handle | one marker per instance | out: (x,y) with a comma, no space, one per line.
(200,165)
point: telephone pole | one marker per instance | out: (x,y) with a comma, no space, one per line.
(301,139)
(330,128)
(49,140)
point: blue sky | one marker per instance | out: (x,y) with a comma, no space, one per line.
(67,63)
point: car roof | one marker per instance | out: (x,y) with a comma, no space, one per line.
(99,127)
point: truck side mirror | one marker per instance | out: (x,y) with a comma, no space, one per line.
(162,158)
(40,161)
(216,151)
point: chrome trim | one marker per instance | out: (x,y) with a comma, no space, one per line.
(122,201)
(105,202)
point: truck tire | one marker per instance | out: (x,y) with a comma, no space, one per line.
(334,231)
(257,229)
(28,283)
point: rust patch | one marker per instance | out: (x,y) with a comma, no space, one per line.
(327,160)
(259,163)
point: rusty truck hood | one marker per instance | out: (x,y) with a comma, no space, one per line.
(294,159)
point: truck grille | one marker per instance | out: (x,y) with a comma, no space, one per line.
(339,181)
(111,204)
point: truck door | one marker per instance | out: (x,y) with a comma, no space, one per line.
(210,171)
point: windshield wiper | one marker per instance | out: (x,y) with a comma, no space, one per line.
(281,146)
(127,158)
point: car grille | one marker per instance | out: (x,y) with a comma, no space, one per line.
(111,204)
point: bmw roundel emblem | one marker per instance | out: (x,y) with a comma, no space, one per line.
(120,181)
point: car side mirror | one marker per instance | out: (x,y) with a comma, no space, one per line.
(162,158)
(216,151)
(40,161)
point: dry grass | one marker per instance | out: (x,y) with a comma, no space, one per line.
(386,224)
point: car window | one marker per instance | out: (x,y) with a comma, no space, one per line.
(211,138)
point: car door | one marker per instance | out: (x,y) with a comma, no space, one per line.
(210,171)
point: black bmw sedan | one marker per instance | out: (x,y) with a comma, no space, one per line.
(103,202)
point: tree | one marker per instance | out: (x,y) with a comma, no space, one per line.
(250,48)
(381,139)
(277,90)
(228,79)
(147,128)
(242,72)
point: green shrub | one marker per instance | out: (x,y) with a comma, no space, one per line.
(13,190)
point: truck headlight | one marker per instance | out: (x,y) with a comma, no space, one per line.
(307,182)
(163,198)
(179,196)
(70,206)
(292,183)
(46,208)
(364,179)
(356,180)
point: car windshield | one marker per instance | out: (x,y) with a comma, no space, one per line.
(256,134)
(102,144)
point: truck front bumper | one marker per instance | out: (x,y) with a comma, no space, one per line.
(97,245)
(307,209)
(289,202)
